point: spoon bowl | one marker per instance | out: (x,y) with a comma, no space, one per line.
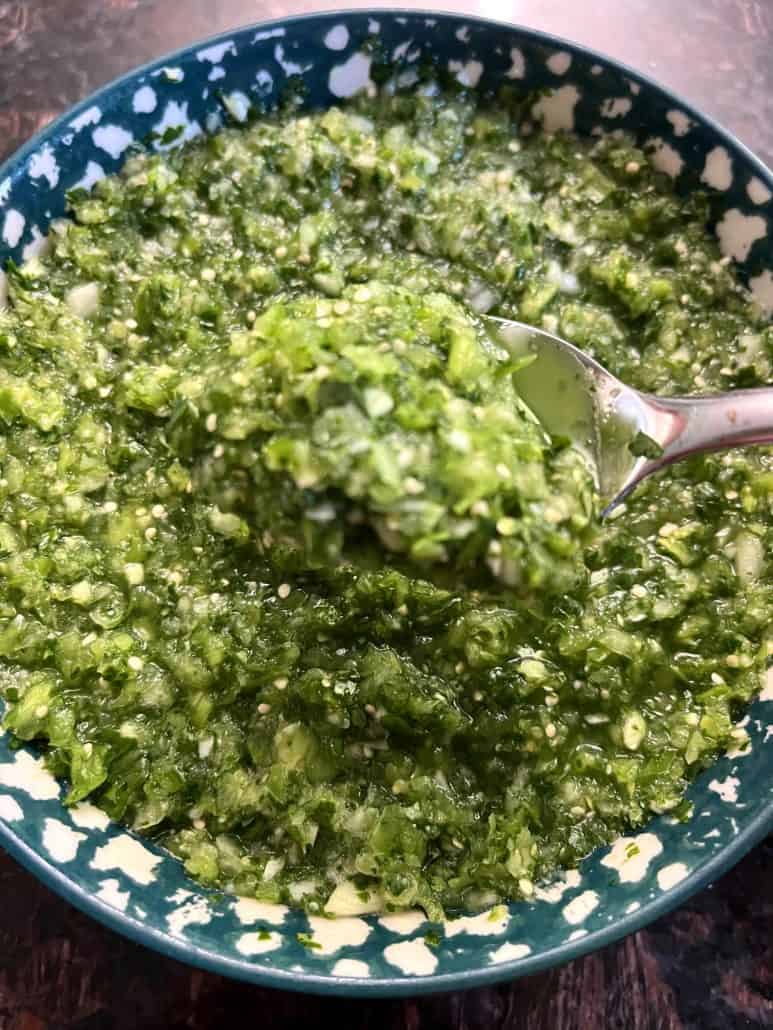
(625,433)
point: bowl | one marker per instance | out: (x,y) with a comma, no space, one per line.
(138,889)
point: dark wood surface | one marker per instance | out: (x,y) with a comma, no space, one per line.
(707,966)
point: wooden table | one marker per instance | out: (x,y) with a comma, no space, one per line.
(709,965)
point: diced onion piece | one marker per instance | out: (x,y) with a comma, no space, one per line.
(205,746)
(482,299)
(274,866)
(565,281)
(377,401)
(634,730)
(83,300)
(347,900)
(749,556)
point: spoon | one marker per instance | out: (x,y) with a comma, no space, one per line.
(626,434)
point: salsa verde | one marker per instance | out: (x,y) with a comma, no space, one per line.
(290,579)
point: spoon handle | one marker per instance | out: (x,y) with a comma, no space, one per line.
(689,425)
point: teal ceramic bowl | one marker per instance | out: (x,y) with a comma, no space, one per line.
(144,893)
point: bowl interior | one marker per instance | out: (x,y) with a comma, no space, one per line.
(138,889)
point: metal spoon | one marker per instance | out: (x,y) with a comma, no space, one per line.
(626,434)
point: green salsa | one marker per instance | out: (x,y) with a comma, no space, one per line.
(292,581)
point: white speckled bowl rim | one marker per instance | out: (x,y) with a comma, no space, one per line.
(734,797)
